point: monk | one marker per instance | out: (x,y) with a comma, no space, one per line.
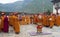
(58,20)
(23,20)
(0,25)
(11,19)
(39,28)
(6,24)
(51,20)
(35,19)
(31,19)
(16,23)
(2,20)
(39,23)
(27,18)
(40,18)
(45,20)
(20,18)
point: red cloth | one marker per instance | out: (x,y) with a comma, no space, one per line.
(39,27)
(6,25)
(36,20)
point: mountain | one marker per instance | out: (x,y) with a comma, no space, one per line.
(12,6)
(39,6)
(29,6)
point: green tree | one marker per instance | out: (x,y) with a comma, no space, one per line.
(48,12)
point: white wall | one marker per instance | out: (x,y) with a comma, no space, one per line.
(54,11)
(59,11)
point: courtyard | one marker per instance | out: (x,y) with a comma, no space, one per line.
(25,29)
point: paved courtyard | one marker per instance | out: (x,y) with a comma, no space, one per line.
(25,29)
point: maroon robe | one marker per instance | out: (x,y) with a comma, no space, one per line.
(6,26)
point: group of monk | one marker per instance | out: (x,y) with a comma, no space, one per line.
(9,20)
(15,20)
(47,20)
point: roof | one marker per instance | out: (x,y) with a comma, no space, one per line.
(55,1)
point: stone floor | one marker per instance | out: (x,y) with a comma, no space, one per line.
(25,29)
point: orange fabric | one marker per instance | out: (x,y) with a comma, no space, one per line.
(2,21)
(27,18)
(40,20)
(16,24)
(58,20)
(52,21)
(31,19)
(45,20)
(23,20)
(0,25)
(35,19)
(11,20)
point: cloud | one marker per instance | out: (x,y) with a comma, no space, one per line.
(8,1)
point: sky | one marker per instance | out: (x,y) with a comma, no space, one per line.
(9,1)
